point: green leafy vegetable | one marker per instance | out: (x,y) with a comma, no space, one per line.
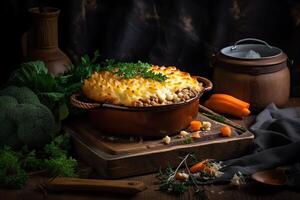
(83,70)
(11,173)
(61,166)
(23,119)
(54,159)
(54,92)
(59,163)
(31,162)
(58,147)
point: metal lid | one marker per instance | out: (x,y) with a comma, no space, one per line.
(251,58)
(251,51)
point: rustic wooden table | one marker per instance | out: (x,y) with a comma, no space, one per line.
(252,190)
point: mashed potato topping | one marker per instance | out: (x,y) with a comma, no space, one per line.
(106,87)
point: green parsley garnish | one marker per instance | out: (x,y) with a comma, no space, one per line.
(131,70)
(188,140)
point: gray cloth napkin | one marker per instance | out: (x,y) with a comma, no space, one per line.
(276,143)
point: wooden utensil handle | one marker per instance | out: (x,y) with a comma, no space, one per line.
(76,184)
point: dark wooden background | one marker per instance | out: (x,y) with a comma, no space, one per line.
(184,33)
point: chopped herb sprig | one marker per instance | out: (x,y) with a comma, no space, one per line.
(168,182)
(131,70)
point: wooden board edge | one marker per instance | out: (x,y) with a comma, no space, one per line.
(246,136)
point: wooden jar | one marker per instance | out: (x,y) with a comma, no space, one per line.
(41,42)
(257,80)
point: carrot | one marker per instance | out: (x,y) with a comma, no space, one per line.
(231,99)
(198,167)
(226,107)
(195,125)
(226,131)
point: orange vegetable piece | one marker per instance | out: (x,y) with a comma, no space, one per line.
(195,125)
(226,107)
(226,131)
(198,167)
(231,99)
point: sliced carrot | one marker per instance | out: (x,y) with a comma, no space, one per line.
(231,99)
(198,167)
(226,107)
(195,125)
(226,131)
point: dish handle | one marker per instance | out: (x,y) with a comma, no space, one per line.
(83,105)
(208,85)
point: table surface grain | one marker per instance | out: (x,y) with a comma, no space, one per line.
(250,191)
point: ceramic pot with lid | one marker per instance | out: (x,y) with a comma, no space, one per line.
(256,73)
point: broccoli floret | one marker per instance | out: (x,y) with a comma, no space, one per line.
(36,124)
(28,123)
(7,101)
(21,94)
(8,130)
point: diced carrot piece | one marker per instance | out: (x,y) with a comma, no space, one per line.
(195,125)
(226,131)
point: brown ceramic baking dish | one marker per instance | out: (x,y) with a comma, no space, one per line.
(150,122)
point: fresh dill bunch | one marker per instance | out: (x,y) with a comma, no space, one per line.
(130,70)
(11,173)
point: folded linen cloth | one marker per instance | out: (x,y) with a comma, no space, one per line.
(276,143)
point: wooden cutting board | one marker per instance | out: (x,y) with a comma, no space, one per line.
(114,157)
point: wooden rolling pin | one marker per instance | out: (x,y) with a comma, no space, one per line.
(77,184)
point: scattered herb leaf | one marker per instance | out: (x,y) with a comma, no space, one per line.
(188,140)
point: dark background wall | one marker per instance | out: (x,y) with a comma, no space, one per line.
(184,33)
